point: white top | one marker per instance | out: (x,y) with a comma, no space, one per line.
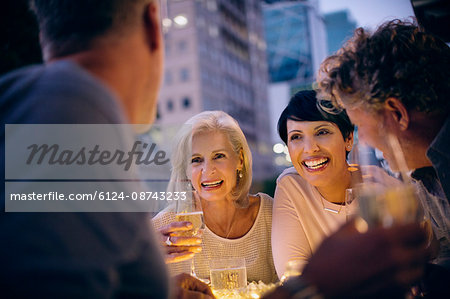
(300,222)
(254,246)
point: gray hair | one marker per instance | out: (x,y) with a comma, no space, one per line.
(208,121)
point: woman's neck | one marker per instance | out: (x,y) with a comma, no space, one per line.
(226,220)
(335,193)
(219,214)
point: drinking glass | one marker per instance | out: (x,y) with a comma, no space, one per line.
(388,205)
(190,209)
(351,204)
(384,199)
(228,273)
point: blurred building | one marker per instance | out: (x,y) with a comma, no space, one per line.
(296,45)
(340,27)
(216,60)
(296,39)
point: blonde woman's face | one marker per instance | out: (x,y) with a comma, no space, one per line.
(214,165)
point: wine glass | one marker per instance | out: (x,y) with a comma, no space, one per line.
(351,204)
(228,273)
(189,208)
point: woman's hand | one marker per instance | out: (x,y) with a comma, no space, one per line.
(178,247)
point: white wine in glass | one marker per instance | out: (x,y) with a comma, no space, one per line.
(228,273)
(190,209)
(196,218)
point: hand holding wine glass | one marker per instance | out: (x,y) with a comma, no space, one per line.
(385,200)
(190,209)
(177,246)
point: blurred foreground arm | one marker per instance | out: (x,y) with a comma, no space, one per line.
(382,261)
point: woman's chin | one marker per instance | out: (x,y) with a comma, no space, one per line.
(212,196)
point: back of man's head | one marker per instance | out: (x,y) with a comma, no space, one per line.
(71,26)
(398,60)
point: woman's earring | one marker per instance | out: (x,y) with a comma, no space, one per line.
(189,186)
(240,175)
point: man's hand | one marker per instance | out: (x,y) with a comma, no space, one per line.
(380,261)
(188,287)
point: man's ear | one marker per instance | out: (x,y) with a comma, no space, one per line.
(153,25)
(398,112)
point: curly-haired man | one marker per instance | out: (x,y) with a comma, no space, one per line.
(397,81)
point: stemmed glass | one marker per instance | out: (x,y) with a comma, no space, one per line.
(351,204)
(189,208)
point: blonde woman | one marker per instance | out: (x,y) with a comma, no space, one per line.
(237,224)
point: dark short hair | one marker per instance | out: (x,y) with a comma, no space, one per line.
(303,107)
(398,60)
(70,26)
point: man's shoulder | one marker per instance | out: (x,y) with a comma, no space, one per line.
(61,92)
(16,80)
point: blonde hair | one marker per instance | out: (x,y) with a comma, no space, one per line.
(209,121)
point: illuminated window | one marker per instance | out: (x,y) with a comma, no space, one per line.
(180,21)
